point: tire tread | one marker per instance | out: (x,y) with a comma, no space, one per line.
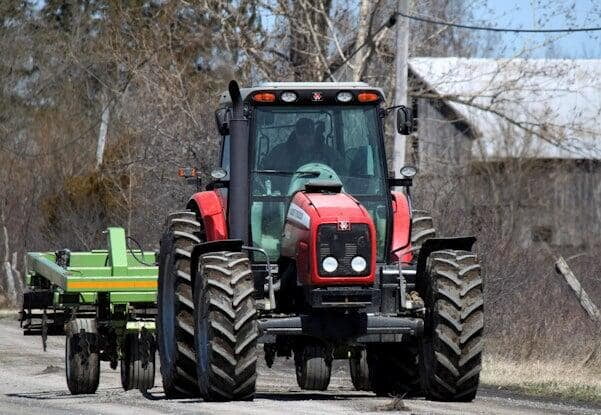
(451,350)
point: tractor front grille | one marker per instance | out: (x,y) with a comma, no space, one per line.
(343,245)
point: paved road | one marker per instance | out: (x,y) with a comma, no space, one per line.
(32,382)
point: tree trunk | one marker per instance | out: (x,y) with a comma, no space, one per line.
(308,45)
(102,131)
(360,59)
(12,276)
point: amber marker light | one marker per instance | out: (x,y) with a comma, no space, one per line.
(367,97)
(264,97)
(187,172)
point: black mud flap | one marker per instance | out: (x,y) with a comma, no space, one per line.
(461,243)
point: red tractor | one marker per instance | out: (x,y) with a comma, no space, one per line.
(299,244)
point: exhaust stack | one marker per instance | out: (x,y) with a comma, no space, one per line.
(238,196)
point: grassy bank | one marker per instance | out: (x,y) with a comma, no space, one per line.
(9,313)
(576,381)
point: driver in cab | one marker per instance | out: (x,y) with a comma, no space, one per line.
(304,145)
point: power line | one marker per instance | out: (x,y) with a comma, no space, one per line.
(497,29)
(369,41)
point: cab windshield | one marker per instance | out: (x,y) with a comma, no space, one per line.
(294,145)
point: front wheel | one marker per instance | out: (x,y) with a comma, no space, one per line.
(359,369)
(313,362)
(226,330)
(451,347)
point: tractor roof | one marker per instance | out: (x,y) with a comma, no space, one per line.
(225,101)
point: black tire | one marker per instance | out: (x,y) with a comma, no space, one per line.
(451,347)
(359,369)
(394,369)
(175,323)
(82,360)
(313,363)
(422,229)
(226,328)
(138,362)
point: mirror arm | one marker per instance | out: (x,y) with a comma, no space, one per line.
(217,184)
(386,111)
(400,182)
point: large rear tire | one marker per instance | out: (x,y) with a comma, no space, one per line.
(226,329)
(313,363)
(422,229)
(82,360)
(175,323)
(138,362)
(451,347)
(394,370)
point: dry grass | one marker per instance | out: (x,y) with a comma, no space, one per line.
(571,381)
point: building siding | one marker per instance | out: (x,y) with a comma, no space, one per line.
(533,201)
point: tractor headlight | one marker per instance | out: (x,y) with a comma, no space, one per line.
(358,264)
(329,264)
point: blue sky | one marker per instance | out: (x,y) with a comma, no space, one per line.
(542,14)
(526,14)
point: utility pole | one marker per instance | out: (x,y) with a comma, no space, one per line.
(400,89)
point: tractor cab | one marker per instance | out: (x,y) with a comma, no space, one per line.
(302,133)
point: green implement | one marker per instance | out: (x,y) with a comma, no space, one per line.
(104,301)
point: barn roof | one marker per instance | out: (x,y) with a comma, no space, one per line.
(537,108)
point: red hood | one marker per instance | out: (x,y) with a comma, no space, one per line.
(336,205)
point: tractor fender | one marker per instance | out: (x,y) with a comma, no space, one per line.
(210,207)
(401,229)
(462,243)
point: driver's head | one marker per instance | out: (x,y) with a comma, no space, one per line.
(304,130)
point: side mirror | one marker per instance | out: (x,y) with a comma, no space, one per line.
(404,121)
(221,119)
(220,179)
(219,173)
